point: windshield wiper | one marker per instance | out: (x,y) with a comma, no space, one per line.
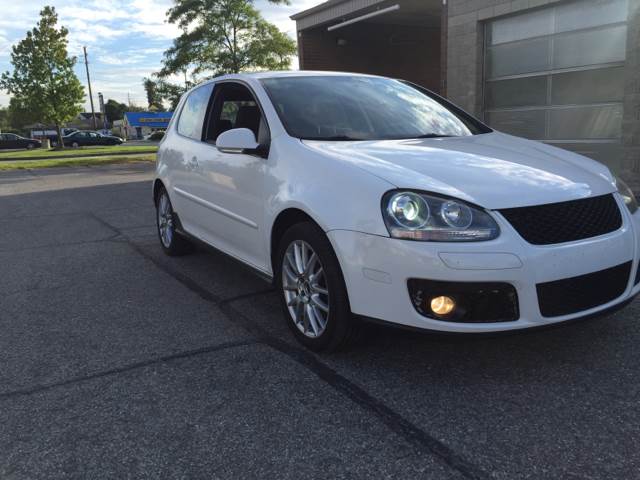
(433,135)
(332,137)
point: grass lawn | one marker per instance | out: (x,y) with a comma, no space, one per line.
(81,152)
(76,162)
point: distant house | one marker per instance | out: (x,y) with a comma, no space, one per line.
(84,121)
(137,125)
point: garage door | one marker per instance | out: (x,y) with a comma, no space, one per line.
(557,74)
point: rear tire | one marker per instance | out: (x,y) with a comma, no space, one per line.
(172,243)
(312,290)
(75,145)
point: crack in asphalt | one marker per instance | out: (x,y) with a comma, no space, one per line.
(126,368)
(392,419)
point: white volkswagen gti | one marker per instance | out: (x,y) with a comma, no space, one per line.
(368,197)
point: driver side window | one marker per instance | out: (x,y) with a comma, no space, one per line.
(234,106)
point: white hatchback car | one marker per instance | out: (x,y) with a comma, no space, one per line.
(367,197)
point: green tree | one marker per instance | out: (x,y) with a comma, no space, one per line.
(115,110)
(20,115)
(225,36)
(168,92)
(154,100)
(43,80)
(4,119)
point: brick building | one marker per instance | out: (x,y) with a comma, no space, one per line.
(564,72)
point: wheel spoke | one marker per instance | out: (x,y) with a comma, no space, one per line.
(292,264)
(322,319)
(290,275)
(310,264)
(317,301)
(297,253)
(318,289)
(300,316)
(294,301)
(311,314)
(304,255)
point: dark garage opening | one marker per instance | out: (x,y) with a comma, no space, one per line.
(401,40)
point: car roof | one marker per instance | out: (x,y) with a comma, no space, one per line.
(284,74)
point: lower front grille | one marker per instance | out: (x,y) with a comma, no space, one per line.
(576,294)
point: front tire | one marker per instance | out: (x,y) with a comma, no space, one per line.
(172,243)
(312,289)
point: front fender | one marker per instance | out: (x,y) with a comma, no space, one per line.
(336,194)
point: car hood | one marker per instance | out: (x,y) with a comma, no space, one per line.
(493,170)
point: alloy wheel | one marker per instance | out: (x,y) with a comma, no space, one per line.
(305,289)
(165,220)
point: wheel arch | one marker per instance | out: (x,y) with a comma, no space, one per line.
(157,185)
(283,221)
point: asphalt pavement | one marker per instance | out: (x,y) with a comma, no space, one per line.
(119,362)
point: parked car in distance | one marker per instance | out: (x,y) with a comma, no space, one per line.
(51,134)
(11,140)
(364,197)
(84,138)
(155,136)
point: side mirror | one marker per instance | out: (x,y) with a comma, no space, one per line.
(237,140)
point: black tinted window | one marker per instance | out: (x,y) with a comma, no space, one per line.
(360,108)
(194,111)
(235,107)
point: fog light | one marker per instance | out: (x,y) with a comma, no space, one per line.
(442,305)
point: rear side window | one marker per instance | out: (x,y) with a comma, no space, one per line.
(193,113)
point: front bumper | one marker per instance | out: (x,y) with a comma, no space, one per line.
(377,269)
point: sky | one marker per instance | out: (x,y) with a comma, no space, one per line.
(125,39)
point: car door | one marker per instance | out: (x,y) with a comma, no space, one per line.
(12,140)
(4,142)
(182,161)
(77,138)
(232,184)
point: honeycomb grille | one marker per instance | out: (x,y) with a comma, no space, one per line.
(572,295)
(566,221)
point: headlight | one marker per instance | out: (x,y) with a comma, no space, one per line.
(627,195)
(418,216)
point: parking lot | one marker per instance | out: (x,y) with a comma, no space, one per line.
(119,362)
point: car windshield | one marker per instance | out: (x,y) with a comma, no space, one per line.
(363,108)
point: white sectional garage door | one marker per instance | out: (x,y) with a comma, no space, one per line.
(557,74)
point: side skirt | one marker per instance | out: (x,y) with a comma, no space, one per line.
(207,247)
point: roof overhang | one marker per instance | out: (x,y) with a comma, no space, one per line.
(331,10)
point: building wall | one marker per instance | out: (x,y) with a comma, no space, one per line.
(412,53)
(631,116)
(464,74)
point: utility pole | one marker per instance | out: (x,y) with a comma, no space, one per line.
(93,112)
